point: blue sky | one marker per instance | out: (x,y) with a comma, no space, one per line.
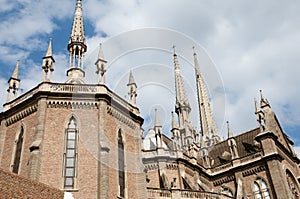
(253,45)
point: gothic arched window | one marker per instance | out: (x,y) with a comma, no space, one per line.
(70,155)
(18,151)
(260,189)
(121,162)
(292,185)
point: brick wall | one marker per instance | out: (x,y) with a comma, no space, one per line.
(15,186)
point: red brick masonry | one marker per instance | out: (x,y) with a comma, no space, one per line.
(15,186)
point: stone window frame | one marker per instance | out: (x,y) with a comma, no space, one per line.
(15,148)
(227,191)
(74,141)
(292,183)
(261,189)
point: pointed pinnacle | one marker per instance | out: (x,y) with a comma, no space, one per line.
(49,51)
(15,74)
(131,78)
(157,123)
(230,134)
(100,54)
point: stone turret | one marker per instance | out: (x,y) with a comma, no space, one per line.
(48,63)
(77,48)
(13,83)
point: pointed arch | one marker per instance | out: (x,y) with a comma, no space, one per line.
(18,149)
(292,183)
(121,164)
(70,154)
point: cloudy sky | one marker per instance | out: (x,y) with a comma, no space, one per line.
(243,46)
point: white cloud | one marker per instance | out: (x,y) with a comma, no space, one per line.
(254,44)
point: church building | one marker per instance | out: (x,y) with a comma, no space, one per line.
(86,140)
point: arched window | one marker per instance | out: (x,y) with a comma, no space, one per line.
(260,189)
(292,185)
(70,155)
(121,161)
(18,151)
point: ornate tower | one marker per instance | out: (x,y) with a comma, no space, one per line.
(77,48)
(13,83)
(48,63)
(207,123)
(188,133)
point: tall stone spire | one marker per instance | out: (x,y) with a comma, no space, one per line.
(182,106)
(101,66)
(207,122)
(48,63)
(13,83)
(132,89)
(77,48)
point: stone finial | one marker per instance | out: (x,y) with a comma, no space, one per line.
(132,89)
(13,82)
(48,63)
(101,66)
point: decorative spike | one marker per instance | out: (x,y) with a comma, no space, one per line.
(48,63)
(15,74)
(132,89)
(230,134)
(157,123)
(49,51)
(207,121)
(131,78)
(101,66)
(13,82)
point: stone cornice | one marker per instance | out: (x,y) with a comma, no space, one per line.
(20,115)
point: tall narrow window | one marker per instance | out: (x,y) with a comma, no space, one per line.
(18,151)
(260,189)
(70,156)
(121,156)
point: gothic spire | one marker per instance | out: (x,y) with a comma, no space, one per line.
(157,123)
(13,82)
(15,74)
(207,122)
(101,65)
(77,48)
(182,107)
(48,63)
(132,89)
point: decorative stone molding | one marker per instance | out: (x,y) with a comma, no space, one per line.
(17,117)
(119,116)
(254,171)
(223,180)
(172,166)
(150,167)
(74,88)
(72,105)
